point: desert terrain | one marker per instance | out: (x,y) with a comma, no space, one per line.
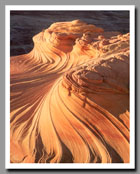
(69,96)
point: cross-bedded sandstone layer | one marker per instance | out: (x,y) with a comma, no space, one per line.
(70,97)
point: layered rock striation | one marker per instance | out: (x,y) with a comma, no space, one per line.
(69,97)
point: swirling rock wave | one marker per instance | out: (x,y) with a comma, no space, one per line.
(69,97)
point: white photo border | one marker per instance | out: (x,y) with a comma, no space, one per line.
(131,165)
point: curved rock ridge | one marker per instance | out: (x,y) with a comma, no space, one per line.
(69,97)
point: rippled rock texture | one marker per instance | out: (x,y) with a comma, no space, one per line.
(70,97)
(25,24)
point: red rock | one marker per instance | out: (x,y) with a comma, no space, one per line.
(70,97)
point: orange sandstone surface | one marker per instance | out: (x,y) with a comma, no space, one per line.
(69,97)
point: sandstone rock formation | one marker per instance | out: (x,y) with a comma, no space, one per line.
(69,97)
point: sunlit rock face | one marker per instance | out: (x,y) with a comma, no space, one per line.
(70,97)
